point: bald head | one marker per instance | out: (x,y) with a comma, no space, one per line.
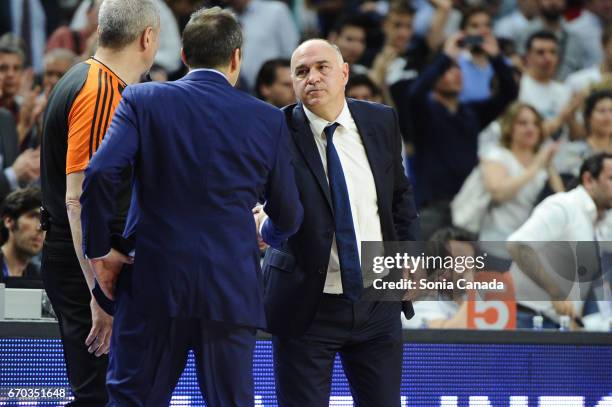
(319,76)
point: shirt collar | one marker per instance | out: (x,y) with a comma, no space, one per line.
(208,70)
(318,124)
(585,201)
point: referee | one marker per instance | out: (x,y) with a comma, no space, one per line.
(78,113)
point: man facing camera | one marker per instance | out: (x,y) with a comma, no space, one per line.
(203,153)
(24,238)
(348,167)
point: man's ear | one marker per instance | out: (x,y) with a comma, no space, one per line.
(236,57)
(184,57)
(146,38)
(8,222)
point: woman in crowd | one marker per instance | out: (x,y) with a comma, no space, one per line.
(598,123)
(514,173)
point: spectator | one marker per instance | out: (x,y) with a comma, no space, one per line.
(24,237)
(11,65)
(476,70)
(26,20)
(168,55)
(447,130)
(580,215)
(445,309)
(511,27)
(361,87)
(598,122)
(552,99)
(274,84)
(570,46)
(277,40)
(77,41)
(514,173)
(56,63)
(581,80)
(425,17)
(596,15)
(349,35)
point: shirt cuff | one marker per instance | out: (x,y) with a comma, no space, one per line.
(9,173)
(97,258)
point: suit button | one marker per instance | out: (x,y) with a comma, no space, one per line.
(321,270)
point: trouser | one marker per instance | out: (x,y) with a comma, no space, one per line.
(368,338)
(70,297)
(149,353)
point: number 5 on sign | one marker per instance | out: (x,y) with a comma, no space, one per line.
(493,309)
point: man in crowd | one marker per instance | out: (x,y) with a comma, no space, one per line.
(581,81)
(274,84)
(363,88)
(552,99)
(12,62)
(350,36)
(446,130)
(79,111)
(347,161)
(22,233)
(195,283)
(55,64)
(579,215)
(590,25)
(269,32)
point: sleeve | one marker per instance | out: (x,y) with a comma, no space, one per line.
(283,205)
(85,113)
(103,176)
(545,223)
(405,217)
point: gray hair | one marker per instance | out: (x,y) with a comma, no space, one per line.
(121,21)
(59,54)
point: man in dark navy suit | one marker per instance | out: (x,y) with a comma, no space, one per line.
(202,153)
(348,167)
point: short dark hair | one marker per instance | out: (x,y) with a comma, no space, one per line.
(590,103)
(470,12)
(21,201)
(400,7)
(267,73)
(594,165)
(362,80)
(540,35)
(210,38)
(358,21)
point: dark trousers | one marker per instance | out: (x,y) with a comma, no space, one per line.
(148,355)
(70,297)
(368,338)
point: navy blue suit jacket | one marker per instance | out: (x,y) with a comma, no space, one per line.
(203,153)
(294,276)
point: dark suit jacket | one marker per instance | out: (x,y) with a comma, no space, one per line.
(202,154)
(295,275)
(8,148)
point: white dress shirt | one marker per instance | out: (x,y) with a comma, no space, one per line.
(37,29)
(564,217)
(359,182)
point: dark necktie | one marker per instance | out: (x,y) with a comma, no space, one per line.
(346,242)
(26,30)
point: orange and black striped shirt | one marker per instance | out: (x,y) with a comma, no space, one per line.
(79,111)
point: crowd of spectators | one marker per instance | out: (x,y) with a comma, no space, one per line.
(518,91)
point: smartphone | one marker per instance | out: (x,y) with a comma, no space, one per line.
(472,41)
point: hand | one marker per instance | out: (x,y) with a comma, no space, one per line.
(565,307)
(107,269)
(490,45)
(442,4)
(575,102)
(27,165)
(546,154)
(260,216)
(27,82)
(98,340)
(30,111)
(452,46)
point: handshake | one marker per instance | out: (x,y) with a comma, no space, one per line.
(260,217)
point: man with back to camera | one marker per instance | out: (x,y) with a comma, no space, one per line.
(203,153)
(79,111)
(354,189)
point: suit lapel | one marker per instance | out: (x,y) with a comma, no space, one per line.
(373,147)
(304,139)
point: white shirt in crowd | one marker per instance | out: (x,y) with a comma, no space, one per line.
(511,26)
(37,29)
(359,182)
(564,217)
(268,32)
(502,219)
(547,98)
(590,28)
(583,79)
(168,55)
